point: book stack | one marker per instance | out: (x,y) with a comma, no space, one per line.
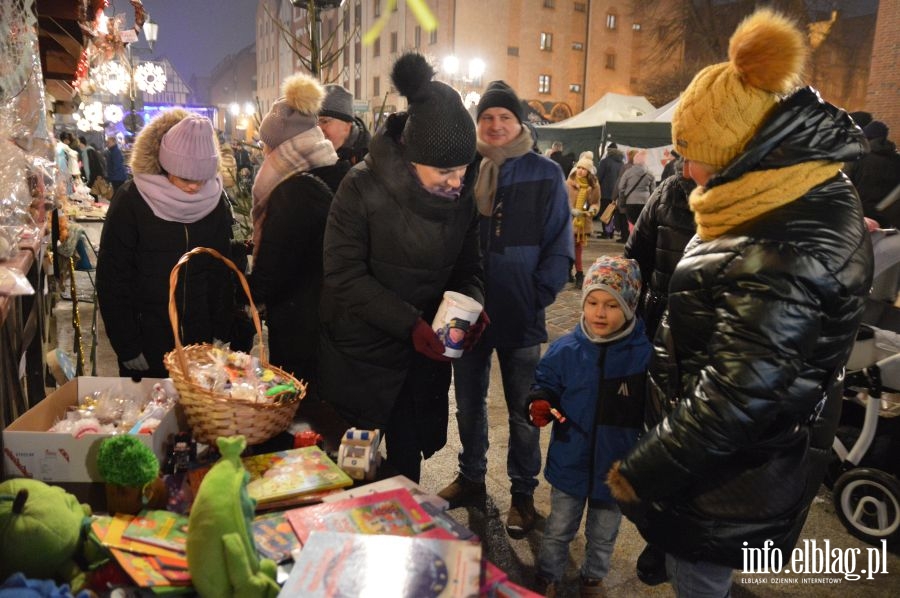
(291,477)
(149,546)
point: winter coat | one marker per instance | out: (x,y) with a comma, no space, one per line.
(528,247)
(391,250)
(356,146)
(608,171)
(591,203)
(875,175)
(287,272)
(138,251)
(600,389)
(662,231)
(635,185)
(115,165)
(95,167)
(760,321)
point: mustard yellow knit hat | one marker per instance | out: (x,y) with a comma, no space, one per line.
(725,104)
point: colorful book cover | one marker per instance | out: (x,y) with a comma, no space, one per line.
(292,473)
(159,528)
(274,536)
(112,530)
(347,564)
(421,495)
(146,572)
(394,512)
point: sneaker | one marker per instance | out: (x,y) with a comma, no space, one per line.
(591,588)
(544,586)
(521,517)
(651,566)
(463,491)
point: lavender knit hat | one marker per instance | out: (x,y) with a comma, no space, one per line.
(618,276)
(188,150)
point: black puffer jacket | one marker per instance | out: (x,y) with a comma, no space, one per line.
(391,250)
(875,175)
(661,232)
(761,319)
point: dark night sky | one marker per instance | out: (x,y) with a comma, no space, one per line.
(195,35)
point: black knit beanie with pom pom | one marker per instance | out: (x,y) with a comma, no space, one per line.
(439,131)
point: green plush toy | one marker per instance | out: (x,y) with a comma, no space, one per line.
(42,530)
(221,553)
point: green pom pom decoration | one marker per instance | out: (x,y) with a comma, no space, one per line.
(126,461)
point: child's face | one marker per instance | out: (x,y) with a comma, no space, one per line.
(602,313)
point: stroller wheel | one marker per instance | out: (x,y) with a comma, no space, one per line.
(868,504)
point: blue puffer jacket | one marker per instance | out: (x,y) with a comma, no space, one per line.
(528,248)
(600,388)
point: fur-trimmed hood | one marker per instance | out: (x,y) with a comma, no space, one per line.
(145,152)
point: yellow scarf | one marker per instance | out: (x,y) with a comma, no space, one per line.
(722,208)
(579,223)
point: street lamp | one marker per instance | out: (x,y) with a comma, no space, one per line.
(151,30)
(472,78)
(314,25)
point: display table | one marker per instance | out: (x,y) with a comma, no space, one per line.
(22,330)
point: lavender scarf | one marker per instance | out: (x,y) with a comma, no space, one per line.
(171,203)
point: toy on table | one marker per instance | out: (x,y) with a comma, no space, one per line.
(221,553)
(131,472)
(358,454)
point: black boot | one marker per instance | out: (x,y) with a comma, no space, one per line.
(579,279)
(651,566)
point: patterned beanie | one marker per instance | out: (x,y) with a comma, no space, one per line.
(338,103)
(439,131)
(500,95)
(618,276)
(725,104)
(293,113)
(189,149)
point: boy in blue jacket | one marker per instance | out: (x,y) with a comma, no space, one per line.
(590,384)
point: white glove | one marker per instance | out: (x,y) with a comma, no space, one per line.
(138,364)
(576,212)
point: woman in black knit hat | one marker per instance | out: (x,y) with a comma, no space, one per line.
(402,230)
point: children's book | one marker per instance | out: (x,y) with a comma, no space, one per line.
(274,536)
(150,571)
(347,564)
(158,528)
(109,531)
(421,495)
(291,474)
(394,512)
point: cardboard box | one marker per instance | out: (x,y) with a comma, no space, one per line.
(29,450)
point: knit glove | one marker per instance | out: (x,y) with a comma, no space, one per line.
(427,342)
(138,364)
(543,409)
(473,335)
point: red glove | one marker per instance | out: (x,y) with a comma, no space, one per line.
(473,334)
(539,413)
(427,342)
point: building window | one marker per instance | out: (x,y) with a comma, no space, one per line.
(357,15)
(357,88)
(377,8)
(393,42)
(357,53)
(512,51)
(580,7)
(543,83)
(432,37)
(549,3)
(346,20)
(376,86)
(611,61)
(546,41)
(346,54)
(578,46)
(376,48)
(417,37)
(611,21)
(635,26)
(575,88)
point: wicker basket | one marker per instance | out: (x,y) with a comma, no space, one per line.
(211,414)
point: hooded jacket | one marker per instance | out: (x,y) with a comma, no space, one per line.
(391,250)
(600,389)
(138,251)
(875,175)
(761,320)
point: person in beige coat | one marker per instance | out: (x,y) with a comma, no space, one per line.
(584,202)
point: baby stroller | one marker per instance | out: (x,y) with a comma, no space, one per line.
(866,472)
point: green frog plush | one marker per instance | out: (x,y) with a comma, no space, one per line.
(221,553)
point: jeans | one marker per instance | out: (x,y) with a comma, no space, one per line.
(472,375)
(600,531)
(698,580)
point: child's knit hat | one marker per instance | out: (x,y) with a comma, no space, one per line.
(618,276)
(189,150)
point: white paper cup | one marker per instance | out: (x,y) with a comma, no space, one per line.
(455,315)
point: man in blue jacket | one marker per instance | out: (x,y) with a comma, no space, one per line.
(527,244)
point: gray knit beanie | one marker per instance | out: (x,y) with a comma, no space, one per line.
(338,103)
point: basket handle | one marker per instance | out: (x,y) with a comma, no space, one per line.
(173,310)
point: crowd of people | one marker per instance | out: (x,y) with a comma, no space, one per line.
(699,391)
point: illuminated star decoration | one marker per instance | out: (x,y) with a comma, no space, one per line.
(113,113)
(91,118)
(150,77)
(421,11)
(112,77)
